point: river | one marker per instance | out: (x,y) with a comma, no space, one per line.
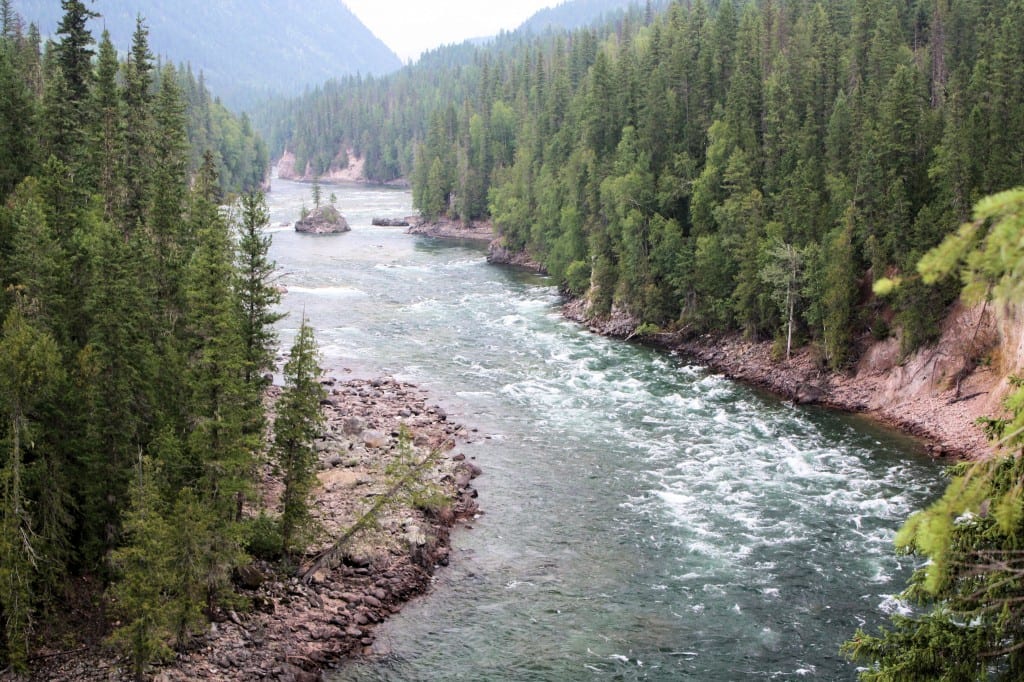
(644,519)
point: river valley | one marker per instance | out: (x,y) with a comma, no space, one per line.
(644,518)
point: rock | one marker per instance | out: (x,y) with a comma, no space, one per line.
(323,220)
(809,394)
(470,468)
(374,439)
(415,537)
(250,576)
(335,460)
(390,222)
(352,426)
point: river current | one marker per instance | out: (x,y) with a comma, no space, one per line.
(645,519)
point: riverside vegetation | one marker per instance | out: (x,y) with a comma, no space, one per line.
(718,167)
(753,167)
(137,314)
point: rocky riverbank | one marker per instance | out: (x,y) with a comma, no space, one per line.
(446,228)
(300,625)
(937,394)
(482,231)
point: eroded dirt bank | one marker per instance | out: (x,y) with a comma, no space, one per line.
(937,393)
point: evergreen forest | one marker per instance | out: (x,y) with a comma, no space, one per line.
(136,330)
(721,166)
(817,173)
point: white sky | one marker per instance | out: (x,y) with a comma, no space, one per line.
(410,27)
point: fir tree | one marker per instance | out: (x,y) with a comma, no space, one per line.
(298,423)
(258,296)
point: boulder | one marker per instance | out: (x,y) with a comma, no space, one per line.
(809,394)
(374,439)
(352,426)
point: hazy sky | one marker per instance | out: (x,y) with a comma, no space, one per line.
(411,26)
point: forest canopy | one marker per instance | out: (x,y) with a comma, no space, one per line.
(136,319)
(721,166)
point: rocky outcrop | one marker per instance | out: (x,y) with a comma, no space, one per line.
(446,228)
(390,222)
(354,171)
(499,254)
(323,220)
(937,394)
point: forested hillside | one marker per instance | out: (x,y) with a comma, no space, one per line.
(577,14)
(732,166)
(383,119)
(247,49)
(135,331)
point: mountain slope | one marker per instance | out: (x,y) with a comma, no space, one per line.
(576,14)
(245,48)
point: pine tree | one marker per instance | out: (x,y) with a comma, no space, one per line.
(970,590)
(18,150)
(220,443)
(136,162)
(298,423)
(109,133)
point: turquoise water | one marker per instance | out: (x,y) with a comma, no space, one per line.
(644,519)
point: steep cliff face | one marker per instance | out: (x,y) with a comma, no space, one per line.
(353,172)
(977,352)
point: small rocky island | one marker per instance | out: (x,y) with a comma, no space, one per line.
(323,220)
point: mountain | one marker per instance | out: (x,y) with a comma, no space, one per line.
(245,48)
(576,14)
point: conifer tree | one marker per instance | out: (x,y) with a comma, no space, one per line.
(220,443)
(298,423)
(136,162)
(30,370)
(145,569)
(258,296)
(971,589)
(109,133)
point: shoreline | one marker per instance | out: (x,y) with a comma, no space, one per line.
(446,228)
(481,232)
(299,628)
(913,396)
(931,413)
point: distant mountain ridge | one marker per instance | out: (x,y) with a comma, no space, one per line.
(575,14)
(245,48)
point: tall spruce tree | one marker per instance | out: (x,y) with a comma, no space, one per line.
(258,296)
(298,423)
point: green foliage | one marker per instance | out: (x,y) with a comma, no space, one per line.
(146,573)
(129,427)
(577,278)
(258,296)
(263,537)
(669,155)
(29,372)
(968,624)
(298,423)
